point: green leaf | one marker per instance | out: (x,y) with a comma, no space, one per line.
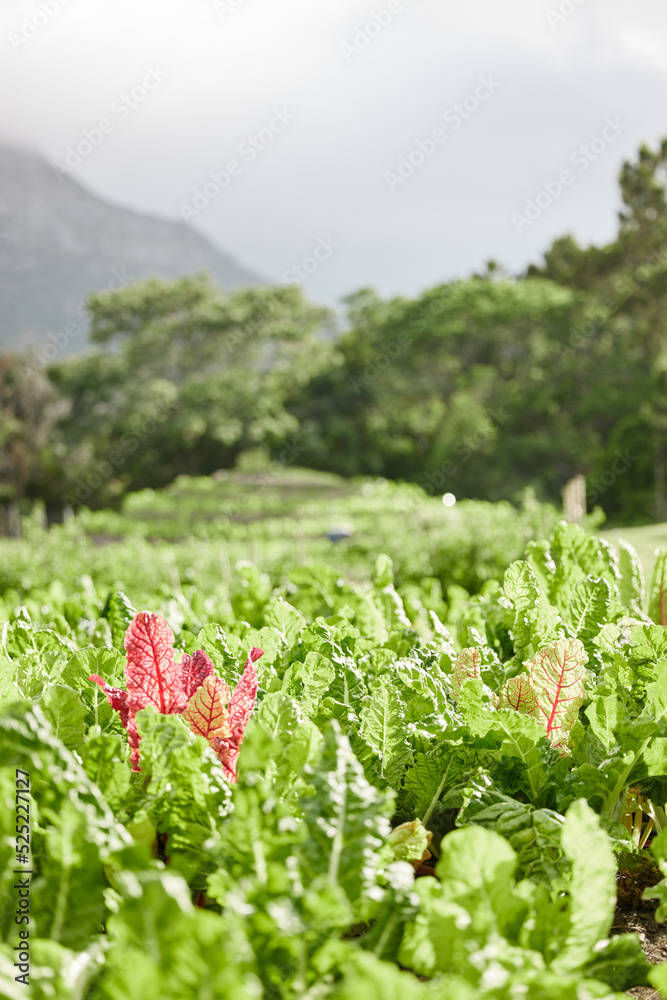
(605,713)
(68,893)
(535,834)
(365,976)
(432,775)
(64,710)
(631,584)
(187,794)
(536,622)
(286,619)
(309,680)
(160,947)
(589,610)
(383,727)
(213,640)
(659,891)
(409,841)
(346,820)
(592,888)
(119,612)
(658,595)
(297,738)
(105,761)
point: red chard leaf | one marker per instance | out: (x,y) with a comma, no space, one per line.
(241,705)
(245,693)
(117,698)
(207,710)
(194,671)
(188,688)
(152,676)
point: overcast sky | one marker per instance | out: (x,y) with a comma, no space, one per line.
(336,93)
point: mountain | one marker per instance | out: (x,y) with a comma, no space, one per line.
(59,242)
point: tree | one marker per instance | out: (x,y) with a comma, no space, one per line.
(184,379)
(623,329)
(434,389)
(29,411)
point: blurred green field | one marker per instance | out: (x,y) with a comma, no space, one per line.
(209,535)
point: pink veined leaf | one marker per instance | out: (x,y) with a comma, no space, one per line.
(557,675)
(117,698)
(207,711)
(153,678)
(244,694)
(518,693)
(133,739)
(122,703)
(240,709)
(189,688)
(227,749)
(467,666)
(194,671)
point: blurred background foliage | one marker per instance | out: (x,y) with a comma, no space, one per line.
(481,387)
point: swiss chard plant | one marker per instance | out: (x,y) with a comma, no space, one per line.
(415,792)
(188,688)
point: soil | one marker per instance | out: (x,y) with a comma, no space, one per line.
(652,935)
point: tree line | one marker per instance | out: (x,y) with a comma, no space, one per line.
(479,387)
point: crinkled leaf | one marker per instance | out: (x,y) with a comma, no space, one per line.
(557,675)
(592,886)
(467,666)
(153,678)
(119,612)
(207,710)
(286,619)
(64,710)
(631,584)
(383,727)
(517,693)
(346,819)
(536,622)
(658,596)
(535,834)
(195,669)
(588,609)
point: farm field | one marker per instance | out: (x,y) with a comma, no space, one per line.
(443,769)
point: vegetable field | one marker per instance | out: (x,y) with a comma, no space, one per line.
(420,761)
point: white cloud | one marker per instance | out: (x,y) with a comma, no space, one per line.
(354,119)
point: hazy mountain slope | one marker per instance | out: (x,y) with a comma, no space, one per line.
(59,242)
